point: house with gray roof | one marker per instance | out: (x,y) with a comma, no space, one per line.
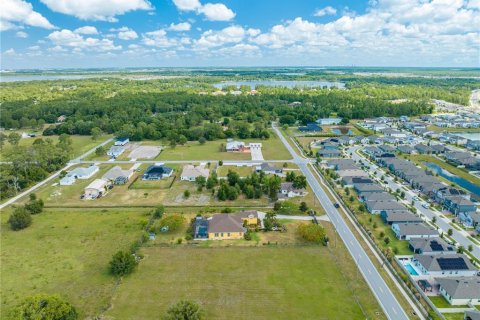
(379,207)
(377,196)
(329,153)
(444,265)
(407,231)
(117,175)
(422,149)
(269,169)
(351,181)
(460,290)
(341,164)
(78,173)
(115,151)
(367,188)
(471,315)
(403,216)
(431,246)
(405,149)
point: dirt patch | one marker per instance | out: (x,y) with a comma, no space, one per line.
(144,152)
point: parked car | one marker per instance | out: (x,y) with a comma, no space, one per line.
(336,205)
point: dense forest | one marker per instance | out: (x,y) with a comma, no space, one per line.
(182,107)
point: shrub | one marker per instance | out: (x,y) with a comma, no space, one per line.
(158,212)
(247,236)
(186,194)
(20,219)
(172,222)
(42,306)
(188,237)
(312,233)
(122,263)
(184,310)
(179,241)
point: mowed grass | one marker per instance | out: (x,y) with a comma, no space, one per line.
(272,149)
(80,144)
(240,283)
(66,252)
(243,171)
(458,130)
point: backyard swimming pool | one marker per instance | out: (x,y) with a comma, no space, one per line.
(410,269)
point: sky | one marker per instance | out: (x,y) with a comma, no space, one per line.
(43,34)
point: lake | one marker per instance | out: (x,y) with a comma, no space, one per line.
(473,188)
(281,83)
(40,77)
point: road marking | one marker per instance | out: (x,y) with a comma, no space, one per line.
(381,290)
(394,311)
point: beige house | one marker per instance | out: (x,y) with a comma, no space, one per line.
(190,172)
(96,189)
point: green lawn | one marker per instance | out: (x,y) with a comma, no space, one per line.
(272,149)
(81,144)
(241,283)
(242,171)
(462,130)
(66,252)
(454,316)
(440,302)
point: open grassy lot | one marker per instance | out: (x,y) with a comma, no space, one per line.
(418,159)
(242,171)
(240,283)
(80,145)
(66,252)
(272,149)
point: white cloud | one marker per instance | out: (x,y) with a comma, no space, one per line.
(158,38)
(210,38)
(127,35)
(68,38)
(212,11)
(34,48)
(10,52)
(86,30)
(187,5)
(182,26)
(325,12)
(21,12)
(103,10)
(217,12)
(21,34)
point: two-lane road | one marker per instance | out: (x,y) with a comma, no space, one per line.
(382,292)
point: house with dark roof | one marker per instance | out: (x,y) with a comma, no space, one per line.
(444,265)
(459,205)
(404,216)
(269,169)
(405,149)
(349,182)
(422,149)
(407,231)
(341,164)
(122,141)
(117,175)
(326,153)
(227,226)
(287,190)
(460,290)
(471,315)
(380,207)
(441,194)
(362,188)
(377,196)
(157,172)
(310,127)
(430,246)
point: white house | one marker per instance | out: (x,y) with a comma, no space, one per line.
(235,146)
(122,141)
(288,191)
(190,172)
(461,290)
(96,189)
(407,231)
(78,173)
(115,151)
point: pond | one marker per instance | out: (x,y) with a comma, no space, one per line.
(280,83)
(342,130)
(473,188)
(39,77)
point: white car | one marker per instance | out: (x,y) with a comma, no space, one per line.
(425,205)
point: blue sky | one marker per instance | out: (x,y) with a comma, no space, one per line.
(185,33)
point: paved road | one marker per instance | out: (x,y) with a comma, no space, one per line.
(382,292)
(443,223)
(51,177)
(225,162)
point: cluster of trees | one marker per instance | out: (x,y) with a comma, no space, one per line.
(29,164)
(21,216)
(299,181)
(253,186)
(312,232)
(42,306)
(123,263)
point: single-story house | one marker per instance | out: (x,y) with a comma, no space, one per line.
(379,207)
(190,172)
(117,175)
(157,172)
(310,127)
(96,189)
(287,190)
(362,188)
(329,121)
(422,149)
(235,146)
(115,151)
(122,141)
(351,173)
(329,153)
(78,173)
(341,164)
(430,246)
(407,231)
(444,265)
(391,217)
(226,226)
(268,169)
(377,196)
(471,315)
(405,149)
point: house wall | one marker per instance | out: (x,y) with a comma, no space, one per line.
(225,235)
(458,302)
(91,193)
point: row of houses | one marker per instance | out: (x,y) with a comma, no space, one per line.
(464,159)
(452,199)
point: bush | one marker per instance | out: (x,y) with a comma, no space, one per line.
(188,237)
(184,310)
(312,233)
(122,263)
(42,306)
(172,222)
(20,219)
(186,194)
(158,212)
(34,206)
(247,236)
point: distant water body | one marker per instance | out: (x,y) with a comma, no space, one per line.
(38,77)
(471,136)
(281,83)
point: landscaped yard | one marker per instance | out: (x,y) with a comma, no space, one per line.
(442,129)
(440,302)
(66,252)
(242,283)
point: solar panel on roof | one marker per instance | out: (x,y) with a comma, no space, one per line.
(436,246)
(452,264)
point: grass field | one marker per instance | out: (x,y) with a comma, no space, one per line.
(242,171)
(272,149)
(440,302)
(240,283)
(66,252)
(80,145)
